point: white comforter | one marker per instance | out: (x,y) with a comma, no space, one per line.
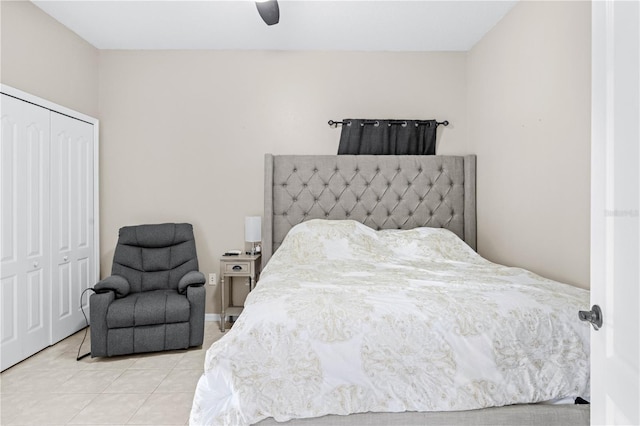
(346,319)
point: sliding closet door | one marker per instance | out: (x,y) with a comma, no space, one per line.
(24,250)
(72,219)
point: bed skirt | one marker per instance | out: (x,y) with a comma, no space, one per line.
(532,414)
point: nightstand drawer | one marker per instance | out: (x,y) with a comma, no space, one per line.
(237,268)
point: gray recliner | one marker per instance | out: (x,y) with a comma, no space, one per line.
(155,297)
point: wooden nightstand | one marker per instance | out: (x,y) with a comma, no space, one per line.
(236,266)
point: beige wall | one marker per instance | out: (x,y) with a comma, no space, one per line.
(184,133)
(529,123)
(42,57)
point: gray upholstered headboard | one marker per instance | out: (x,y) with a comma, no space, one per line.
(383,192)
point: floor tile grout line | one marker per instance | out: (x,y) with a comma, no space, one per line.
(80,410)
(97,370)
(138,409)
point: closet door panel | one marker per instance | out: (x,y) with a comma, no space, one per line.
(62,308)
(61,199)
(11,347)
(25,257)
(10,134)
(73,200)
(35,295)
(84,244)
(37,229)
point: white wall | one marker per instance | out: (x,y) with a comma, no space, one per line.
(529,105)
(42,57)
(184,133)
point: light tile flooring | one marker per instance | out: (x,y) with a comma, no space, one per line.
(52,388)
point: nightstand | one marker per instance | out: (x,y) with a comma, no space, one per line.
(236,266)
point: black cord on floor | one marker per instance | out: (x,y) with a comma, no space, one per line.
(79,357)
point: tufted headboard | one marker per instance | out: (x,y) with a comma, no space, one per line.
(381,191)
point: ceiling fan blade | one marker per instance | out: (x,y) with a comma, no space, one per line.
(269,11)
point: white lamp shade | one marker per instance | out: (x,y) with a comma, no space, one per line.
(253,229)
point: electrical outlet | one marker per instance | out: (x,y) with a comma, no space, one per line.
(212,278)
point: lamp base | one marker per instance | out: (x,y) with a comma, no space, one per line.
(255,249)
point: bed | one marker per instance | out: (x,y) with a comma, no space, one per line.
(373,308)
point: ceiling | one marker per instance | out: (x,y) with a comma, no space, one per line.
(365,25)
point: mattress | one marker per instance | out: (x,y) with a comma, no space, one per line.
(347,320)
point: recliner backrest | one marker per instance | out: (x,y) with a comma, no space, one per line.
(155,257)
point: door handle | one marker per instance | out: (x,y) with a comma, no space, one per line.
(237,268)
(594,316)
(65,258)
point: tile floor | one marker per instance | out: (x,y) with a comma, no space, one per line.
(52,388)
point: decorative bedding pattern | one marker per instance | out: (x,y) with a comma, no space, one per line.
(346,319)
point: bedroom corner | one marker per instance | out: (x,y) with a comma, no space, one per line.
(529,109)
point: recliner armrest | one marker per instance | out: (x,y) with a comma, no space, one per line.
(191,279)
(116,283)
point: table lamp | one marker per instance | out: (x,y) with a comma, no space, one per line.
(253,232)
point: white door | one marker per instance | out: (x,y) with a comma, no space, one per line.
(24,251)
(615,196)
(72,218)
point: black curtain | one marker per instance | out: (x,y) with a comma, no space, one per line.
(388,137)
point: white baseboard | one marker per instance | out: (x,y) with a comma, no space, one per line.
(212,317)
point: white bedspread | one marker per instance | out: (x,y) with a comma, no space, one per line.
(345,319)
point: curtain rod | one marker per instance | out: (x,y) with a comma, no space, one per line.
(376,122)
